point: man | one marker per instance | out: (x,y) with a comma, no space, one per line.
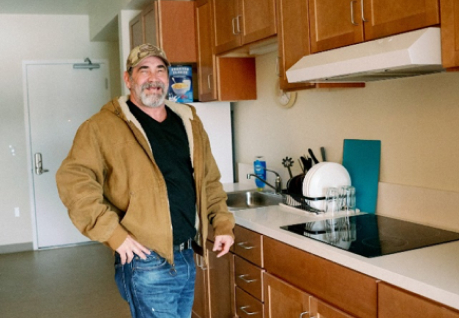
(140,178)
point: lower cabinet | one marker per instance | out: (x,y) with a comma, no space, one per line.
(266,278)
(283,300)
(214,288)
(247,305)
(200,305)
(395,302)
(221,284)
(341,287)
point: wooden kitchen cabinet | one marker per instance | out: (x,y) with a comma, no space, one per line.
(238,22)
(248,273)
(220,78)
(394,302)
(342,288)
(206,58)
(221,284)
(318,308)
(247,306)
(201,305)
(293,38)
(283,300)
(169,25)
(336,23)
(450,34)
(214,289)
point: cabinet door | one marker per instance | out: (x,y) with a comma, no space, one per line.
(334,23)
(450,33)
(206,58)
(293,36)
(136,31)
(283,300)
(200,305)
(258,20)
(221,284)
(386,17)
(227,25)
(340,286)
(320,309)
(150,20)
(176,21)
(394,302)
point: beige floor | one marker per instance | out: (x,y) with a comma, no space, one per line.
(60,283)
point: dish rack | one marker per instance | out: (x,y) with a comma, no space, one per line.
(301,202)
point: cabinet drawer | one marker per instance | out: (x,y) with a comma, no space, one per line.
(248,277)
(249,245)
(342,287)
(247,305)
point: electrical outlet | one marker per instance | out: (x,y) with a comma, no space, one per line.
(16,212)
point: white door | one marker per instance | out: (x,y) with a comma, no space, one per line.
(59,99)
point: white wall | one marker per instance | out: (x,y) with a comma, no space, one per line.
(416,119)
(34,37)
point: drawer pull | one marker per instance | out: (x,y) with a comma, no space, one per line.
(304,313)
(243,309)
(248,281)
(244,246)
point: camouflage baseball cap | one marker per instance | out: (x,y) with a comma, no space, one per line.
(143,51)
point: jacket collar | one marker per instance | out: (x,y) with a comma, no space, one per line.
(184,111)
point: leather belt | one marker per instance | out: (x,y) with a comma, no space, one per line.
(183,246)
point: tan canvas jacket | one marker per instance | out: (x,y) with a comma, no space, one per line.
(112,187)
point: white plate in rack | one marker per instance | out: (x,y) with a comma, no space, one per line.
(322,176)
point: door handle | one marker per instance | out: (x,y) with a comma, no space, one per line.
(363,13)
(352,12)
(39,164)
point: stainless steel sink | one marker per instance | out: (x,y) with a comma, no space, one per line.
(251,199)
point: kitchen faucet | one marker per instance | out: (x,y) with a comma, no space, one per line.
(278,182)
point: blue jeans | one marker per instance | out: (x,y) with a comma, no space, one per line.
(154,289)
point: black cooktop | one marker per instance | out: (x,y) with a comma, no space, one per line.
(373,235)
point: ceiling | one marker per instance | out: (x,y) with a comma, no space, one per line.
(44,6)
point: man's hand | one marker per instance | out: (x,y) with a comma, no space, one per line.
(129,247)
(222,243)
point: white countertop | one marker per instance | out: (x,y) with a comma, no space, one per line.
(432,272)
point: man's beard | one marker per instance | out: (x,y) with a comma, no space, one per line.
(154,99)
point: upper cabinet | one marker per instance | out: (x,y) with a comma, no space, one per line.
(450,33)
(293,38)
(336,23)
(220,78)
(169,25)
(206,58)
(239,22)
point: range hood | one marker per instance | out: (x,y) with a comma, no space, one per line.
(403,55)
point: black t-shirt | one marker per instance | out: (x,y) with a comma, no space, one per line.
(171,152)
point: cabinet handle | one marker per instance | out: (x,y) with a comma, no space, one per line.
(244,246)
(199,262)
(243,278)
(208,81)
(363,13)
(232,24)
(248,312)
(304,313)
(238,24)
(352,12)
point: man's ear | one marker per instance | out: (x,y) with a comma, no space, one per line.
(126,80)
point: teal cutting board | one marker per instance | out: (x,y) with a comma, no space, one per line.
(362,159)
